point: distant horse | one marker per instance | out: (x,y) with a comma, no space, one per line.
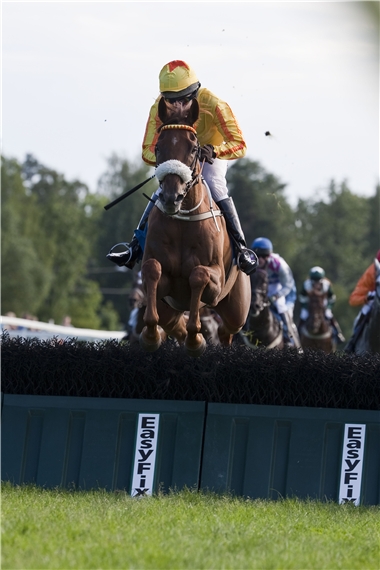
(209,320)
(316,332)
(136,323)
(262,329)
(369,340)
(188,259)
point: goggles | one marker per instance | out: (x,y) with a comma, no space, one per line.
(183,99)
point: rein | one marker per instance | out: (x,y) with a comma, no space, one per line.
(176,167)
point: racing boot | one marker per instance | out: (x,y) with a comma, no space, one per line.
(133,251)
(290,331)
(337,330)
(246,259)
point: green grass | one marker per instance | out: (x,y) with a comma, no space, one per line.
(99,530)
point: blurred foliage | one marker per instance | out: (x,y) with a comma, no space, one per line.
(56,235)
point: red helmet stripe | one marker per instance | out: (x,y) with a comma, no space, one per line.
(177,63)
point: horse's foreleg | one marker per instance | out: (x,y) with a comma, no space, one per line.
(195,342)
(234,309)
(150,338)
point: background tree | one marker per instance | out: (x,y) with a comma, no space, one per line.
(117,225)
(262,206)
(25,280)
(47,234)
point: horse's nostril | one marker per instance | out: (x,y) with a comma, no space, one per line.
(179,198)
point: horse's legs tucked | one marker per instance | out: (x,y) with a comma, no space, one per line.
(171,321)
(199,279)
(233,309)
(150,338)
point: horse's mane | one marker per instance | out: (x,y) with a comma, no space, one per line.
(259,277)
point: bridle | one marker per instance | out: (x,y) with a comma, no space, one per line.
(176,167)
(194,177)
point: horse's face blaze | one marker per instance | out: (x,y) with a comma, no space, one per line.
(177,144)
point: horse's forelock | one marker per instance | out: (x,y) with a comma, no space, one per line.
(177,117)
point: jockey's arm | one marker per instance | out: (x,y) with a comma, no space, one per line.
(233,145)
(331,297)
(303,296)
(365,284)
(285,278)
(151,136)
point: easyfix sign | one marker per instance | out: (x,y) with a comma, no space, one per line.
(352,464)
(145,455)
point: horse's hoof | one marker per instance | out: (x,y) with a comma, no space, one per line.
(149,346)
(196,352)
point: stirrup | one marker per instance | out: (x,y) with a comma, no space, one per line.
(122,258)
(247,261)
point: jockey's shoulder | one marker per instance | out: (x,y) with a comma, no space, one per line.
(275,261)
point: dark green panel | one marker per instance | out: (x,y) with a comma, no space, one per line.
(14,427)
(273,451)
(371,472)
(331,461)
(32,446)
(125,448)
(90,442)
(280,458)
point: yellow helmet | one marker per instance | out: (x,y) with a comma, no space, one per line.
(177,79)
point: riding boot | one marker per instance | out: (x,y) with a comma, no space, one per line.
(290,331)
(133,251)
(246,258)
(337,330)
(350,346)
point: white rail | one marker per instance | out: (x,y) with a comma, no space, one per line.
(36,329)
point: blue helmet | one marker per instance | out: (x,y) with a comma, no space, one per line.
(262,246)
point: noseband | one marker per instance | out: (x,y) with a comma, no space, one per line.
(186,173)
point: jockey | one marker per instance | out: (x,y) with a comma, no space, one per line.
(318,280)
(282,290)
(221,140)
(363,294)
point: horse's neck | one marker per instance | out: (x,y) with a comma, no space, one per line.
(316,320)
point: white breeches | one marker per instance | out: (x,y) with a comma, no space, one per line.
(282,305)
(305,313)
(215,176)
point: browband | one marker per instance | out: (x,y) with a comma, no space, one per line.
(183,127)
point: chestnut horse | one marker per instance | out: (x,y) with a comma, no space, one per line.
(316,333)
(188,259)
(262,329)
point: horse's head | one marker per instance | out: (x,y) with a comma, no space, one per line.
(259,292)
(177,154)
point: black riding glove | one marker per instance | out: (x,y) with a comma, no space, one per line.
(207,153)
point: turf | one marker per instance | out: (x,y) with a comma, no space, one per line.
(186,529)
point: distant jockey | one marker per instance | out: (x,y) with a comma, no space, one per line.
(317,280)
(363,294)
(282,290)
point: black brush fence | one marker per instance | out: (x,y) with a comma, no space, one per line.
(236,375)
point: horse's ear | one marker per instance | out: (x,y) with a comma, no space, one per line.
(162,110)
(193,113)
